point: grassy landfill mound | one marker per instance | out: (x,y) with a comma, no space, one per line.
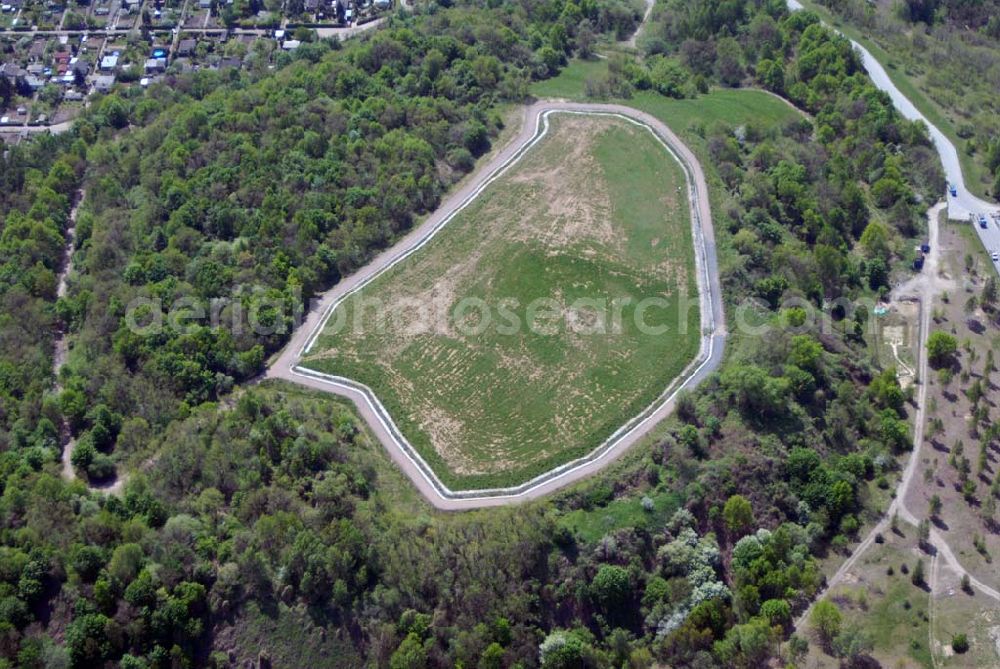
(594,215)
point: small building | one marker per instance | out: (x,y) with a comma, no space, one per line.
(73,95)
(186,47)
(80,68)
(104,82)
(310,5)
(291,44)
(60,62)
(34,82)
(155,65)
(382,5)
(109,63)
(13,72)
(204,4)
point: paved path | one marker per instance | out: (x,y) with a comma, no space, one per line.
(958,207)
(713,321)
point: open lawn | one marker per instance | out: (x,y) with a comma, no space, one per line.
(734,106)
(960,458)
(515,339)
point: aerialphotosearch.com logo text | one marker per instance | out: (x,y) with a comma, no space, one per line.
(262,314)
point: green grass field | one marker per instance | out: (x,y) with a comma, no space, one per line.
(595,213)
(734,106)
(569,83)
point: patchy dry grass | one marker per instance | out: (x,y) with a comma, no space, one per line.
(594,213)
(954,441)
(908,626)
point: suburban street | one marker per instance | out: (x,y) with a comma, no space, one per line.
(713,322)
(330,31)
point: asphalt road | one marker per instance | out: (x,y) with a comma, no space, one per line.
(964,202)
(378,419)
(958,207)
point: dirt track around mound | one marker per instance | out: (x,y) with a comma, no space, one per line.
(285,366)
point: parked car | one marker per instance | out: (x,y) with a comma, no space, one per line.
(982,221)
(953,190)
(995,256)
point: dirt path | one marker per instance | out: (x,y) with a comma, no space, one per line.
(378,419)
(61,345)
(927,285)
(61,352)
(645,18)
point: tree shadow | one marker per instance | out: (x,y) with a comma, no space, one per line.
(939,446)
(939,523)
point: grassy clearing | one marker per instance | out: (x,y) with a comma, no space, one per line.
(595,211)
(571,81)
(284,636)
(906,625)
(951,438)
(889,607)
(591,525)
(734,106)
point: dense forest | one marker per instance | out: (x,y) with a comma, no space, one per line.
(249,506)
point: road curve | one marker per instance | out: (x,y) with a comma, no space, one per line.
(964,202)
(712,314)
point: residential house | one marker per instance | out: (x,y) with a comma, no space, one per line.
(80,68)
(186,47)
(34,82)
(109,63)
(104,82)
(60,62)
